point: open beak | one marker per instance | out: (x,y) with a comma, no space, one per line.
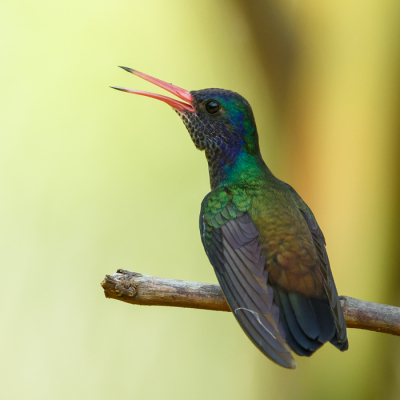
(177,91)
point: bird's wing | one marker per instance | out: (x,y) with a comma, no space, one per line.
(231,241)
(340,340)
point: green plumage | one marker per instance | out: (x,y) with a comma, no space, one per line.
(295,260)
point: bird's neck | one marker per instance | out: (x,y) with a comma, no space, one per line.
(241,169)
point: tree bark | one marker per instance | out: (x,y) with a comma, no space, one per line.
(147,290)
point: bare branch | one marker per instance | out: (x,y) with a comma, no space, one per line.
(147,290)
(376,317)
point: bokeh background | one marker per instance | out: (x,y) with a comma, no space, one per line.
(93,180)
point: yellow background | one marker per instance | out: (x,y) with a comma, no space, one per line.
(93,180)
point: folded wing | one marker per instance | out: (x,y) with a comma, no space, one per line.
(231,240)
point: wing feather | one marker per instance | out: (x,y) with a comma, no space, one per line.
(235,253)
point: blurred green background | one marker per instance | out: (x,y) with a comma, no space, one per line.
(93,180)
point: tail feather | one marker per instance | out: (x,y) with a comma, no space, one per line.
(308,322)
(342,346)
(325,319)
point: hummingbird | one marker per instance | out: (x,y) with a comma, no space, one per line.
(262,239)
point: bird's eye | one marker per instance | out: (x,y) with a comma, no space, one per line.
(212,106)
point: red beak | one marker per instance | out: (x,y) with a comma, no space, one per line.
(177,91)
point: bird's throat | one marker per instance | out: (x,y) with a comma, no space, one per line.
(243,169)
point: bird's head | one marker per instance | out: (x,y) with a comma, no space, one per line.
(222,121)
(219,121)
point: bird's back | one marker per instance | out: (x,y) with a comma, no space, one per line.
(295,263)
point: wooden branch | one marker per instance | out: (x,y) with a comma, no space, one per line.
(147,290)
